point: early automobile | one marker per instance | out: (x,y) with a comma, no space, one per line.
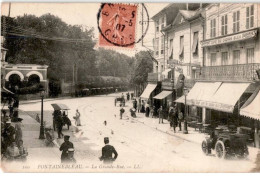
(226,145)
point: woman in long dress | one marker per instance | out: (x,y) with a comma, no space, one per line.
(77,122)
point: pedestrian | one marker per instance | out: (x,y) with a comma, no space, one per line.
(160,112)
(175,118)
(132,96)
(180,118)
(65,147)
(128,96)
(107,152)
(77,118)
(143,107)
(135,104)
(59,124)
(152,111)
(8,133)
(18,133)
(122,110)
(170,116)
(115,101)
(122,96)
(49,141)
(139,106)
(147,110)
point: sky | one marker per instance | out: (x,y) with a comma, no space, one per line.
(79,14)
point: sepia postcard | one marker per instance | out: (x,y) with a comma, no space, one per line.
(130,87)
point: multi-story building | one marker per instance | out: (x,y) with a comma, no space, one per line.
(230,67)
(178,30)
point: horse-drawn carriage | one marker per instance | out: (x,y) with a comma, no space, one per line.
(226,144)
(121,100)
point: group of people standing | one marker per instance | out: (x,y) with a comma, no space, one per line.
(11,140)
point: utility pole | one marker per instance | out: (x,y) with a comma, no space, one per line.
(9,9)
(143,23)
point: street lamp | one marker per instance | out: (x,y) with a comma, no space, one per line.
(42,93)
(185,130)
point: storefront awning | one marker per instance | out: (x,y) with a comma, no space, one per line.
(200,94)
(163,95)
(148,90)
(251,108)
(165,72)
(180,100)
(227,96)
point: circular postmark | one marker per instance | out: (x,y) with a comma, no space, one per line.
(117,24)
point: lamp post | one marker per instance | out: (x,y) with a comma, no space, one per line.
(42,92)
(185,92)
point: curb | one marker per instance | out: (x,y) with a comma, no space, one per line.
(168,133)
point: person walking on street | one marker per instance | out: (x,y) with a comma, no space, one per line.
(65,146)
(143,107)
(122,110)
(147,110)
(135,104)
(128,96)
(139,106)
(107,152)
(77,118)
(180,118)
(160,112)
(152,111)
(171,116)
(59,124)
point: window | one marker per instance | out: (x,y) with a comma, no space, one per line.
(250,17)
(171,49)
(213,59)
(162,23)
(162,44)
(236,18)
(224,21)
(213,28)
(157,26)
(195,43)
(156,46)
(224,58)
(236,57)
(250,54)
(181,52)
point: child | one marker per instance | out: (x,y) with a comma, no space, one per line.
(122,110)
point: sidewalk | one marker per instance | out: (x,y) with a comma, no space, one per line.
(40,154)
(192,136)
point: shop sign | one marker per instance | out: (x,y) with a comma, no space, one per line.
(167,85)
(228,39)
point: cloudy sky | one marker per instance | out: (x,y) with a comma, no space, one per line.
(78,13)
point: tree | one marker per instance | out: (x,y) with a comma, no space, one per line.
(50,41)
(143,66)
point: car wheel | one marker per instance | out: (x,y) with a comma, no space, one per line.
(220,150)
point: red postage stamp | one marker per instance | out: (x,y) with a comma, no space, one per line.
(117,25)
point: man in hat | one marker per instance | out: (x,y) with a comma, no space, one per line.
(65,147)
(107,152)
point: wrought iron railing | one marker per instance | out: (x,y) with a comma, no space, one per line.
(240,72)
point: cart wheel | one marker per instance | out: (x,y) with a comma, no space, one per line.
(220,150)
(205,147)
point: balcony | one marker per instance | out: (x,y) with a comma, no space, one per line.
(240,72)
(154,77)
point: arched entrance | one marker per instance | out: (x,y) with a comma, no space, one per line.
(14,80)
(33,80)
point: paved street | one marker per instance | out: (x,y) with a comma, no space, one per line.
(142,144)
